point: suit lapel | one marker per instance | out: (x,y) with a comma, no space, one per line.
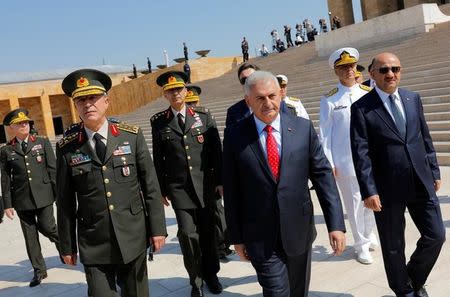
(287,137)
(173,123)
(255,144)
(17,148)
(111,144)
(382,112)
(409,107)
(189,121)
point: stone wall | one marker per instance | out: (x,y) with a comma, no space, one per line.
(343,9)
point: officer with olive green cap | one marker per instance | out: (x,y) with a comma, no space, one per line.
(28,186)
(186,148)
(109,203)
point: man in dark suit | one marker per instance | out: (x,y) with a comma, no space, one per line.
(186,148)
(108,193)
(396,167)
(268,158)
(240,110)
(28,185)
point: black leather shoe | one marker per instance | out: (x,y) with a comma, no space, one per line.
(197,292)
(214,285)
(37,279)
(420,293)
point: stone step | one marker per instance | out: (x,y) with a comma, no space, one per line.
(443,159)
(440,135)
(442,146)
(439,125)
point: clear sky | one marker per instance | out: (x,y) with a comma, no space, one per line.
(57,34)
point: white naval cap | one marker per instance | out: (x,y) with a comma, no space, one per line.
(343,56)
(282,79)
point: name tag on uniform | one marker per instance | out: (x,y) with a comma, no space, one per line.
(122,150)
(77,159)
(36,147)
(340,107)
(198,123)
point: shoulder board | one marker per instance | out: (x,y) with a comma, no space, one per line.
(365,88)
(68,139)
(162,114)
(40,136)
(292,109)
(2,145)
(201,109)
(72,128)
(294,99)
(113,120)
(332,92)
(129,128)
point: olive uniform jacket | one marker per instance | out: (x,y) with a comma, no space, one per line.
(184,156)
(102,201)
(28,179)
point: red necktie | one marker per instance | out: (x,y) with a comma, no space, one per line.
(273,157)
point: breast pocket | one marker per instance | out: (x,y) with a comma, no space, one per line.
(166,135)
(81,169)
(124,168)
(198,134)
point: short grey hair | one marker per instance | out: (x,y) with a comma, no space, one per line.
(259,76)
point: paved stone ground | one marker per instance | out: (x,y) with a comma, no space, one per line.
(331,276)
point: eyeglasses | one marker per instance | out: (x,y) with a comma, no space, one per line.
(385,70)
(242,80)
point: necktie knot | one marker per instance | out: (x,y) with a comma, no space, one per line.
(98,137)
(392,98)
(24,146)
(100,147)
(268,129)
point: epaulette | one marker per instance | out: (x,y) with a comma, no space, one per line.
(70,134)
(159,115)
(129,128)
(201,109)
(72,128)
(332,92)
(40,136)
(67,139)
(365,88)
(294,99)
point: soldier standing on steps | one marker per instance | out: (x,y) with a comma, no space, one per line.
(28,186)
(186,148)
(109,204)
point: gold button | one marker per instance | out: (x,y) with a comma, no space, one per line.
(184,136)
(189,157)
(108,194)
(29,171)
(123,158)
(111,207)
(124,163)
(28,164)
(190,167)
(26,157)
(104,168)
(29,178)
(186,147)
(81,171)
(106,181)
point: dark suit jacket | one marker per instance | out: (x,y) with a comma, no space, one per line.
(28,179)
(237,112)
(184,156)
(257,209)
(385,163)
(103,202)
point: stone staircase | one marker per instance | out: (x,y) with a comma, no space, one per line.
(426,69)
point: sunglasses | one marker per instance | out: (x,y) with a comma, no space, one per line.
(242,80)
(385,70)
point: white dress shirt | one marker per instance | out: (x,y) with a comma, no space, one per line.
(386,102)
(103,131)
(276,132)
(182,112)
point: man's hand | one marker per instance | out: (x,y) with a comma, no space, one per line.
(337,242)
(373,202)
(242,252)
(219,190)
(9,213)
(157,242)
(165,201)
(437,185)
(70,259)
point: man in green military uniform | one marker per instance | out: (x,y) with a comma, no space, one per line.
(28,186)
(221,235)
(106,186)
(186,148)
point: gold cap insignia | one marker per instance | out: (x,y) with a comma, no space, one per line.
(82,82)
(21,115)
(190,93)
(172,79)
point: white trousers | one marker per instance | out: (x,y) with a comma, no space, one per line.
(361,219)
